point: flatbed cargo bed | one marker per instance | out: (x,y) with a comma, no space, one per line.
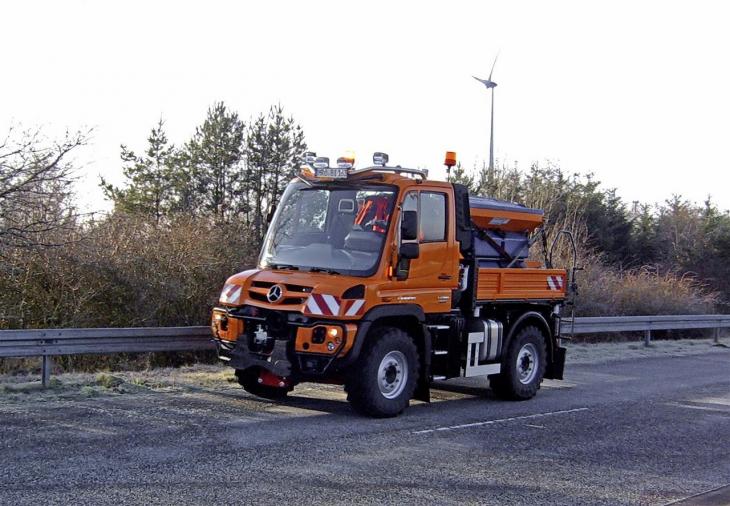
(520,284)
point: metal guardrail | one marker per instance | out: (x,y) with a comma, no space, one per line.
(603,324)
(51,342)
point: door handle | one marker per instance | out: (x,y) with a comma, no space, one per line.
(444,277)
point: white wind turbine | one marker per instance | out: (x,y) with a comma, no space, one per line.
(490,86)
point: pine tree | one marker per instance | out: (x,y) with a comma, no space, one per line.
(213,165)
(461,176)
(274,144)
(644,236)
(150,189)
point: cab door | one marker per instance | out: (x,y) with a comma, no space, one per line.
(434,274)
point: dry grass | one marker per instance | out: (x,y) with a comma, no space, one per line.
(18,387)
(609,292)
(596,353)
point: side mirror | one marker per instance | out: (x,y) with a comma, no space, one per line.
(409,226)
(409,250)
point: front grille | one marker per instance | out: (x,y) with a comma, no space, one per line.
(257,296)
(294,294)
(290,288)
(298,288)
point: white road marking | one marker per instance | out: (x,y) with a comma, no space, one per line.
(717,498)
(715,409)
(500,420)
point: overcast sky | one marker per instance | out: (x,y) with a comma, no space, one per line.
(636,92)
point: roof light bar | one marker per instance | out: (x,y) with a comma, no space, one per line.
(309,157)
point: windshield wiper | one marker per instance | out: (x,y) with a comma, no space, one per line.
(322,269)
(284,266)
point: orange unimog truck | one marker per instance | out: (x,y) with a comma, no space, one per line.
(384,281)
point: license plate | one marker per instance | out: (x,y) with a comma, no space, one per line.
(334,173)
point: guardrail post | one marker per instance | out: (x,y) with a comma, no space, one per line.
(46,370)
(647,337)
(717,335)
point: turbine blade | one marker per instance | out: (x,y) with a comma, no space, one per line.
(493,64)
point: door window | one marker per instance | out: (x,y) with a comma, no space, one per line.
(431,214)
(432,217)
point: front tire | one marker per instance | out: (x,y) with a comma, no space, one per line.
(385,376)
(523,366)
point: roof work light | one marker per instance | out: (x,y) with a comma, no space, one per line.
(380,159)
(309,157)
(321,162)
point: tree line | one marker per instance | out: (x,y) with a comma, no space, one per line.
(672,240)
(228,171)
(188,215)
(185,218)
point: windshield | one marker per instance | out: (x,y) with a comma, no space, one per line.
(334,228)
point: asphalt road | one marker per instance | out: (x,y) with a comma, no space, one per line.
(648,431)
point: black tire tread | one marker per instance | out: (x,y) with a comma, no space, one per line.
(506,385)
(365,396)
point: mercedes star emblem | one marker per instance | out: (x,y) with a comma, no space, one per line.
(275,293)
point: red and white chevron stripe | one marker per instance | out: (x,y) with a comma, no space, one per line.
(556,283)
(323,304)
(354,307)
(329,305)
(230,294)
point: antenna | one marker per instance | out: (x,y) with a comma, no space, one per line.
(490,85)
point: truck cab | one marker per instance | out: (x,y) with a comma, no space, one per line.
(384,281)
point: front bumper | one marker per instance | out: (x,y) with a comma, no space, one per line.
(240,357)
(289,351)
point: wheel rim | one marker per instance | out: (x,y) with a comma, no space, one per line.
(393,374)
(527,363)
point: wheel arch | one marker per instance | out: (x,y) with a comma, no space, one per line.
(538,320)
(408,317)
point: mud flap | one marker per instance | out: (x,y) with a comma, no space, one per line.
(423,387)
(557,366)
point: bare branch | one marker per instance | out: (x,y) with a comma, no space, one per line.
(35,188)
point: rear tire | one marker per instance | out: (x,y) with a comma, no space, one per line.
(523,366)
(385,376)
(249,380)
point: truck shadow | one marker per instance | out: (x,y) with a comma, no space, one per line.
(470,390)
(442,395)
